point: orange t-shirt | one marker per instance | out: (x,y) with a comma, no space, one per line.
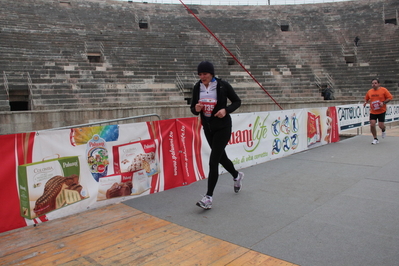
(377,96)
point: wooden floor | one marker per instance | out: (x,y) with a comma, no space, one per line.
(120,235)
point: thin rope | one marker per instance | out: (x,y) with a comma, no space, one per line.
(231,54)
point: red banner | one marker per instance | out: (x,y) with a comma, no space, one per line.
(93,166)
(13,147)
(170,176)
(189,131)
(332,125)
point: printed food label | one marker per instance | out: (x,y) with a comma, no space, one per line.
(49,185)
(135,156)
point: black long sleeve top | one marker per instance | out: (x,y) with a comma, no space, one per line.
(224,91)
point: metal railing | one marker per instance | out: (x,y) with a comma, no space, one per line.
(343,50)
(330,81)
(236,51)
(32,106)
(241,2)
(102,122)
(6,83)
(317,80)
(179,83)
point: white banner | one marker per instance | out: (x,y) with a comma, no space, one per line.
(355,115)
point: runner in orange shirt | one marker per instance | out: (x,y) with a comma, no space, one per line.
(378,98)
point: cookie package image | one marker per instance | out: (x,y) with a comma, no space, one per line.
(49,185)
(135,156)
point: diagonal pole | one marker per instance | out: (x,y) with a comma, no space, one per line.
(232,55)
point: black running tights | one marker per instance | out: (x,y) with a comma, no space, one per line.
(217,141)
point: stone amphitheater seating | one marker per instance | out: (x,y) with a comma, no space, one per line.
(44,48)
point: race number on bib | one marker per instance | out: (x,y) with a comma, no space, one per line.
(209,105)
(376,105)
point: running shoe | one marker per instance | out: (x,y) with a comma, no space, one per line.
(205,203)
(238,182)
(384,134)
(375,141)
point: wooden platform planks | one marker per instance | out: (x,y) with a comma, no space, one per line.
(121,235)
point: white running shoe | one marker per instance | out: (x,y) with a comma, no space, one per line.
(238,182)
(375,141)
(205,203)
(384,134)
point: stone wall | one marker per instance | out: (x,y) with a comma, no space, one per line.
(17,122)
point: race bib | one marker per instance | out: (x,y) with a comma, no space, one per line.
(209,105)
(376,105)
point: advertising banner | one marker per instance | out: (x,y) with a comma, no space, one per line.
(170,175)
(15,147)
(55,173)
(322,126)
(351,116)
(263,136)
(194,152)
(390,113)
(356,115)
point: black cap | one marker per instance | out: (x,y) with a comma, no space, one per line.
(206,67)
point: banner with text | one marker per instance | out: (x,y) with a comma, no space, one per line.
(355,115)
(52,174)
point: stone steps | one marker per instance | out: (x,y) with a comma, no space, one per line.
(50,41)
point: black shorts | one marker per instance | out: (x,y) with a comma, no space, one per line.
(379,117)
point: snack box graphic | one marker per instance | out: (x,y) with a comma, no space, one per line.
(49,185)
(124,184)
(135,156)
(314,128)
(113,186)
